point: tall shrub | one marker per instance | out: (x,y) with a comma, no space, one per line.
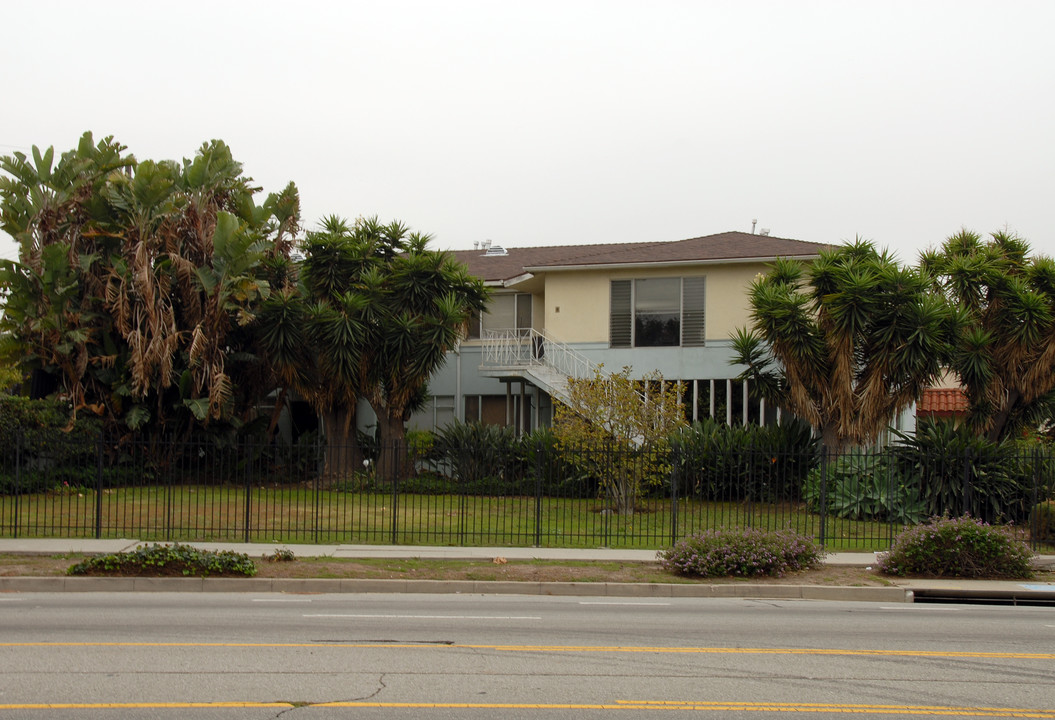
(41,448)
(481,458)
(959,472)
(716,461)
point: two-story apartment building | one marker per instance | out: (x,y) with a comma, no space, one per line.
(559,311)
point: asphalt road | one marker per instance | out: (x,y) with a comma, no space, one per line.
(171,655)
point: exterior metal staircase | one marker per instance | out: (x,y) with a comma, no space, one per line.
(535,357)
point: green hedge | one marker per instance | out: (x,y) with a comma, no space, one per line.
(52,453)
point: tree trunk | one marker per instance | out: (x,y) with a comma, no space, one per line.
(276,413)
(1000,419)
(392,453)
(343,456)
(831,443)
(624,483)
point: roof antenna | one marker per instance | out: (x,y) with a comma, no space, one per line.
(753,223)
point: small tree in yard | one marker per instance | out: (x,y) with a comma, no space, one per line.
(620,426)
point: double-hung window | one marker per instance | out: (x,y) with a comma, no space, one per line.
(657,312)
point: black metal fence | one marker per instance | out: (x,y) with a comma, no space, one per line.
(532,495)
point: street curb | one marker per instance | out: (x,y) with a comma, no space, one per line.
(464,587)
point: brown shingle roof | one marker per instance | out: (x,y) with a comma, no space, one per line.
(710,248)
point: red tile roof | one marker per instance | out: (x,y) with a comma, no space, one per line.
(730,246)
(942,401)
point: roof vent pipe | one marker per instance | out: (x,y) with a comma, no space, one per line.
(753,223)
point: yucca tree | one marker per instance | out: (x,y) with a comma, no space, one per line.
(846,342)
(423,307)
(376,315)
(1004,352)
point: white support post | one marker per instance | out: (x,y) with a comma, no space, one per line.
(729,401)
(522,415)
(745,413)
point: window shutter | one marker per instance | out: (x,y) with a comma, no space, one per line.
(693,297)
(621,321)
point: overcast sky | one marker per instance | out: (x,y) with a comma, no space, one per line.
(541,123)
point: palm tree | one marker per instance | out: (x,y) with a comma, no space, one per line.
(845,343)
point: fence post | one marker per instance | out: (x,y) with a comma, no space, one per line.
(18,483)
(395,501)
(606,516)
(1034,518)
(319,465)
(248,493)
(538,493)
(824,491)
(675,464)
(750,484)
(896,503)
(99,486)
(966,510)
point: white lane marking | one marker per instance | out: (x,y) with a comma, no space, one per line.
(920,606)
(428,617)
(582,602)
(283,600)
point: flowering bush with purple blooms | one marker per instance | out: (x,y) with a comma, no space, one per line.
(958,547)
(742,552)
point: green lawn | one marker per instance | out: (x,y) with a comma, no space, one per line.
(300,514)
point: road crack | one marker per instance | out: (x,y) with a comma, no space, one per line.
(296,705)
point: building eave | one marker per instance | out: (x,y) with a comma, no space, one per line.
(668,263)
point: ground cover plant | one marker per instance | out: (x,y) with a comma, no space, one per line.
(742,552)
(168,560)
(958,547)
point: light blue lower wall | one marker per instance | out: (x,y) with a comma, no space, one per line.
(461,377)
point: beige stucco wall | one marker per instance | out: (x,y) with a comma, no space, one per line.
(577,302)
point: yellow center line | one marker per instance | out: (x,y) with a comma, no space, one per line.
(690,705)
(563,649)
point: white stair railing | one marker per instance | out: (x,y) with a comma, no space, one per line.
(527,350)
(512,349)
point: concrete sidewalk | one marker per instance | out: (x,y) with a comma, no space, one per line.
(52,546)
(902,590)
